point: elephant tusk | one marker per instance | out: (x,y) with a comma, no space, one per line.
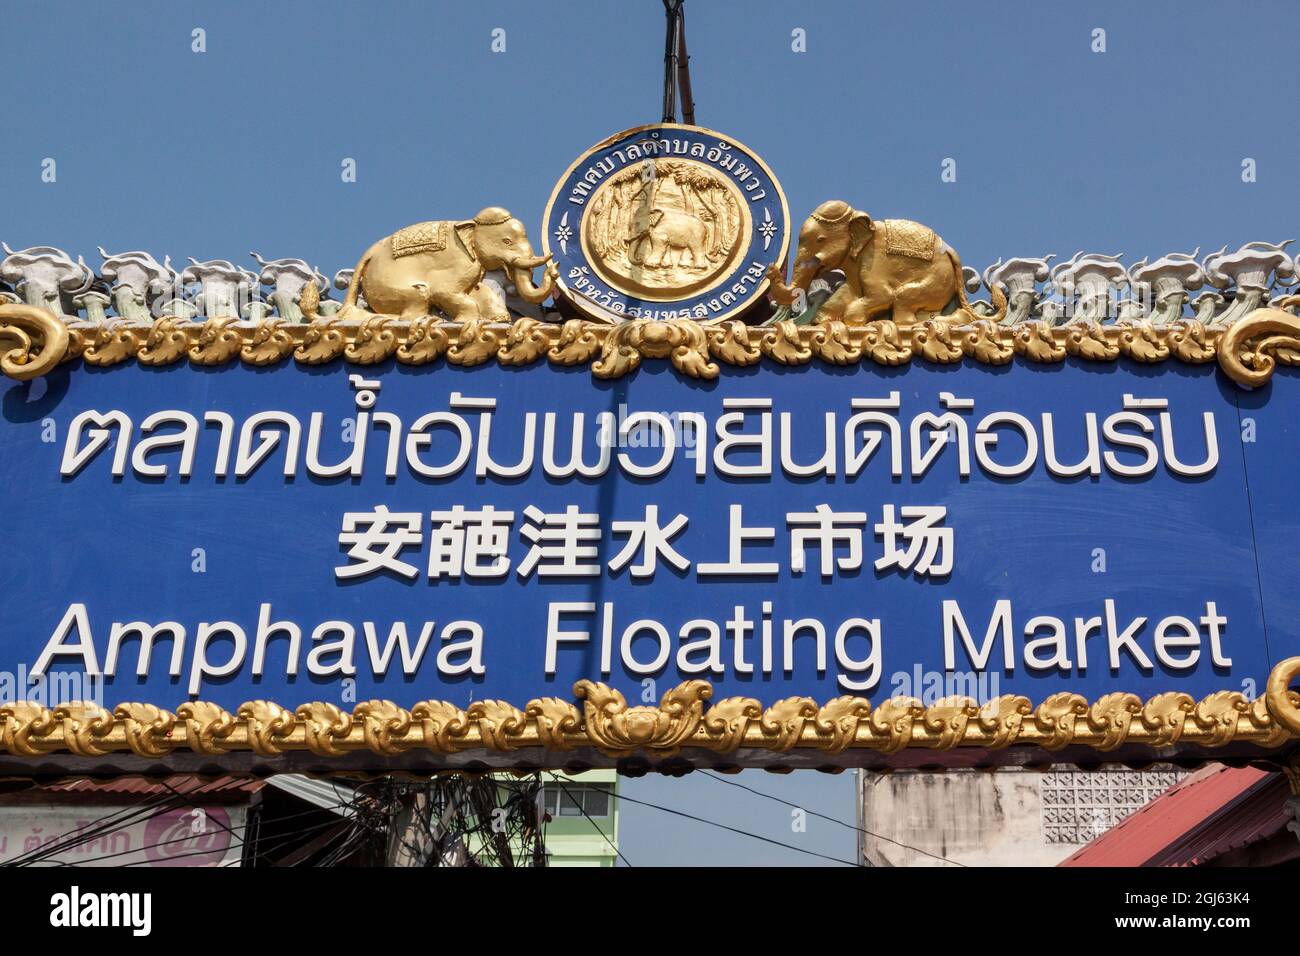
(532,263)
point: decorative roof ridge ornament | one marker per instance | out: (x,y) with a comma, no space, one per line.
(1248,351)
(46,277)
(142,290)
(682,719)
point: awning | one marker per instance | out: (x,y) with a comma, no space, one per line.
(326,794)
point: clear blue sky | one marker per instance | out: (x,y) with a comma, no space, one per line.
(1136,150)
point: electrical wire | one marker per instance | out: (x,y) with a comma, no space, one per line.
(183,839)
(738,831)
(102,826)
(850,826)
(202,810)
(583,810)
(275,842)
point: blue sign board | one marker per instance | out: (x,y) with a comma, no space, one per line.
(341,533)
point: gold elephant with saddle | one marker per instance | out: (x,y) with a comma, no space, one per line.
(439,266)
(893,268)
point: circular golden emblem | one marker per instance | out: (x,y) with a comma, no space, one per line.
(666,229)
(666,222)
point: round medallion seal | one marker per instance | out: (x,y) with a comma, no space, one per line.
(666,222)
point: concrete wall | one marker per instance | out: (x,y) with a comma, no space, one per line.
(998,818)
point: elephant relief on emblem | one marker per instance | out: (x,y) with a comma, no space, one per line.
(439,267)
(893,268)
(667,228)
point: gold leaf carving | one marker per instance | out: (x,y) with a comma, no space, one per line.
(168,341)
(1283,703)
(84,726)
(782,343)
(475,344)
(1253,345)
(500,723)
(680,719)
(1262,728)
(556,721)
(1165,715)
(727,720)
(831,342)
(1189,342)
(442,724)
(322,342)
(1036,341)
(26,327)
(988,344)
(840,718)
(373,342)
(110,345)
(1001,720)
(784,721)
(731,342)
(78,340)
(933,339)
(884,344)
(148,729)
(219,342)
(22,721)
(425,341)
(270,343)
(619,354)
(947,719)
(1219,716)
(384,725)
(1055,719)
(617,728)
(690,352)
(267,725)
(208,727)
(526,342)
(682,342)
(577,344)
(324,727)
(1111,716)
(1088,340)
(893,721)
(309,302)
(1251,352)
(1142,343)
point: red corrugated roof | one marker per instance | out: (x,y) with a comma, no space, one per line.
(1256,815)
(1215,810)
(142,787)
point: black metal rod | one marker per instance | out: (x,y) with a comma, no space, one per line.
(672,10)
(684,71)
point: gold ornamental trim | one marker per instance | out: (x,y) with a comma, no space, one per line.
(28,328)
(1248,351)
(684,718)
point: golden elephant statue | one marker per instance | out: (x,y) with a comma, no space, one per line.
(890,265)
(439,267)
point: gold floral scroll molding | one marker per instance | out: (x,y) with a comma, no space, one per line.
(37,341)
(1248,351)
(684,718)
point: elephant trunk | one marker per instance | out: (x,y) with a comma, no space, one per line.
(521,274)
(805,270)
(531,262)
